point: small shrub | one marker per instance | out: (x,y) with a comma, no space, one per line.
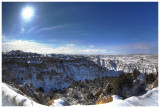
(108,89)
(86,81)
(155,83)
(40,89)
(150,78)
(119,83)
(88,96)
(135,73)
(75,96)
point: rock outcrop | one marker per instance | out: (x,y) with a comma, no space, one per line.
(104,99)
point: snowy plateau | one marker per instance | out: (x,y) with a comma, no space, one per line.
(56,80)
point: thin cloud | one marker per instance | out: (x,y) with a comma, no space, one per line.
(22,29)
(51,28)
(135,48)
(141,46)
(31,29)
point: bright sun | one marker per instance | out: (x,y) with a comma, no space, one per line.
(27,13)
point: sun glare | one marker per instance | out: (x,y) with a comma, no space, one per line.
(27,13)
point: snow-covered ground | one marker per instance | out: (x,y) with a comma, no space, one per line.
(12,98)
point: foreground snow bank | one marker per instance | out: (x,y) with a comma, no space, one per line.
(148,99)
(11,98)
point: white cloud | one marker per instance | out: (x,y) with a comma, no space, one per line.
(23,45)
(70,48)
(4,38)
(70,45)
(31,46)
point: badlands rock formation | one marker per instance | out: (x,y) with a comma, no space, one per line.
(80,77)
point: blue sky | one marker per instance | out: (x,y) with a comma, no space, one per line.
(81,28)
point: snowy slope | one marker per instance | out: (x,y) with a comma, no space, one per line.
(11,98)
